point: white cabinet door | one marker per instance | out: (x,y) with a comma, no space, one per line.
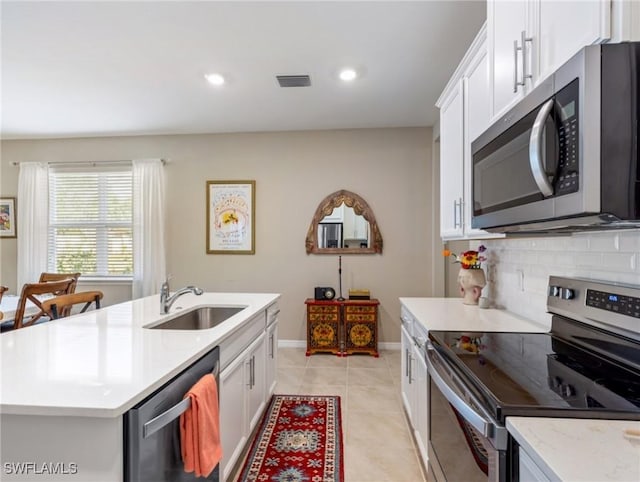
(255,381)
(233,414)
(406,362)
(451,163)
(271,365)
(567,26)
(477,117)
(421,387)
(506,20)
(529,471)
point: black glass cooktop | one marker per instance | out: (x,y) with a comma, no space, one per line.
(571,373)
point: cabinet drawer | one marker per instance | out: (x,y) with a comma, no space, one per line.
(232,346)
(360,313)
(315,309)
(360,309)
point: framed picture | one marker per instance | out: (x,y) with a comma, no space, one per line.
(231,217)
(7,217)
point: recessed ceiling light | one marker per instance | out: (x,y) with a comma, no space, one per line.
(214,79)
(348,75)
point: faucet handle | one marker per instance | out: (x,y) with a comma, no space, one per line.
(164,287)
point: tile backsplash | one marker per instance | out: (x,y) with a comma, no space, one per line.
(518,269)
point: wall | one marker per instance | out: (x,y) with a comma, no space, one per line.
(390,168)
(519,269)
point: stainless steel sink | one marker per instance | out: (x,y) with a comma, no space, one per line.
(199,319)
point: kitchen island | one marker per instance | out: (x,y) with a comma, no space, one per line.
(66,384)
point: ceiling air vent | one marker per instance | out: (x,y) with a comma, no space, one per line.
(294,80)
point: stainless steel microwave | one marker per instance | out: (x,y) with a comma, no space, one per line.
(566,157)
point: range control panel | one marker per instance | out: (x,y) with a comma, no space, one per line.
(615,305)
(614,302)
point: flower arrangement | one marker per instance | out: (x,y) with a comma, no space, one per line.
(468,259)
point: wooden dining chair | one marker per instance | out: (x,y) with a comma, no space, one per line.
(48,277)
(2,290)
(30,292)
(60,306)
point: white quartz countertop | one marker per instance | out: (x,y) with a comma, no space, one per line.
(452,315)
(103,362)
(580,450)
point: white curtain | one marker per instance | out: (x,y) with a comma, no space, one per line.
(32,210)
(149,262)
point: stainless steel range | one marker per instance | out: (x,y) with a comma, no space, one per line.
(587,366)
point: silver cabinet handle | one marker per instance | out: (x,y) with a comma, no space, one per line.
(168,416)
(523,48)
(457,213)
(249,382)
(271,337)
(406,364)
(274,316)
(515,66)
(536,162)
(525,39)
(252,372)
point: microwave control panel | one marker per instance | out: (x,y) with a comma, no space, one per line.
(566,113)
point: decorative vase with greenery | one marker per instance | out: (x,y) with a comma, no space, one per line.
(471,278)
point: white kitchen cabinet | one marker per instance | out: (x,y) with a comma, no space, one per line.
(414,387)
(336,216)
(421,397)
(451,163)
(232,425)
(477,115)
(271,348)
(507,20)
(528,470)
(255,382)
(407,391)
(464,114)
(242,401)
(529,39)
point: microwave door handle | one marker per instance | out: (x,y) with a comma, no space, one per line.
(536,161)
(482,424)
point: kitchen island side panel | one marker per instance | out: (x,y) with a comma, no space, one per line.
(38,448)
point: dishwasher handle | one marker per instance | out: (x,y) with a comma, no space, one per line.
(480,421)
(168,416)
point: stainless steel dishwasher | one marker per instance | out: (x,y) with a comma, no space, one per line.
(152,428)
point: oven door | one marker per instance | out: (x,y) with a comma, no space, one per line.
(465,442)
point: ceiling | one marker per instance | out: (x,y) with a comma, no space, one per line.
(77,69)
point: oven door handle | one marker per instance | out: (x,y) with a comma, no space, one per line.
(483,424)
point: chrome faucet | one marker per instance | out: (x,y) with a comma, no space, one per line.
(166,300)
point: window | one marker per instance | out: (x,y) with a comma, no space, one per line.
(90,220)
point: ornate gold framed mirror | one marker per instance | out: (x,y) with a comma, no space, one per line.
(343,224)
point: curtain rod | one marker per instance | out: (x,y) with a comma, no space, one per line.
(92,163)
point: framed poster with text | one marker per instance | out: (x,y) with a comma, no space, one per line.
(231,217)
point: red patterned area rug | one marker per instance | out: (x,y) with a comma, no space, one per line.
(299,440)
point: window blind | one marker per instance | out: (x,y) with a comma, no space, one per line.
(90,220)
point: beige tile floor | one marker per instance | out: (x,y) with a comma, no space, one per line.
(378,446)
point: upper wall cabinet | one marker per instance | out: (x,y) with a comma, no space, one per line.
(464,114)
(528,40)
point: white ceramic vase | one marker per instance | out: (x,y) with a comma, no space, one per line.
(471,282)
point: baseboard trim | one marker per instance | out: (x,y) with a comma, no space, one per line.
(386,345)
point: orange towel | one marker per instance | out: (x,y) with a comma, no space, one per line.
(200,428)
